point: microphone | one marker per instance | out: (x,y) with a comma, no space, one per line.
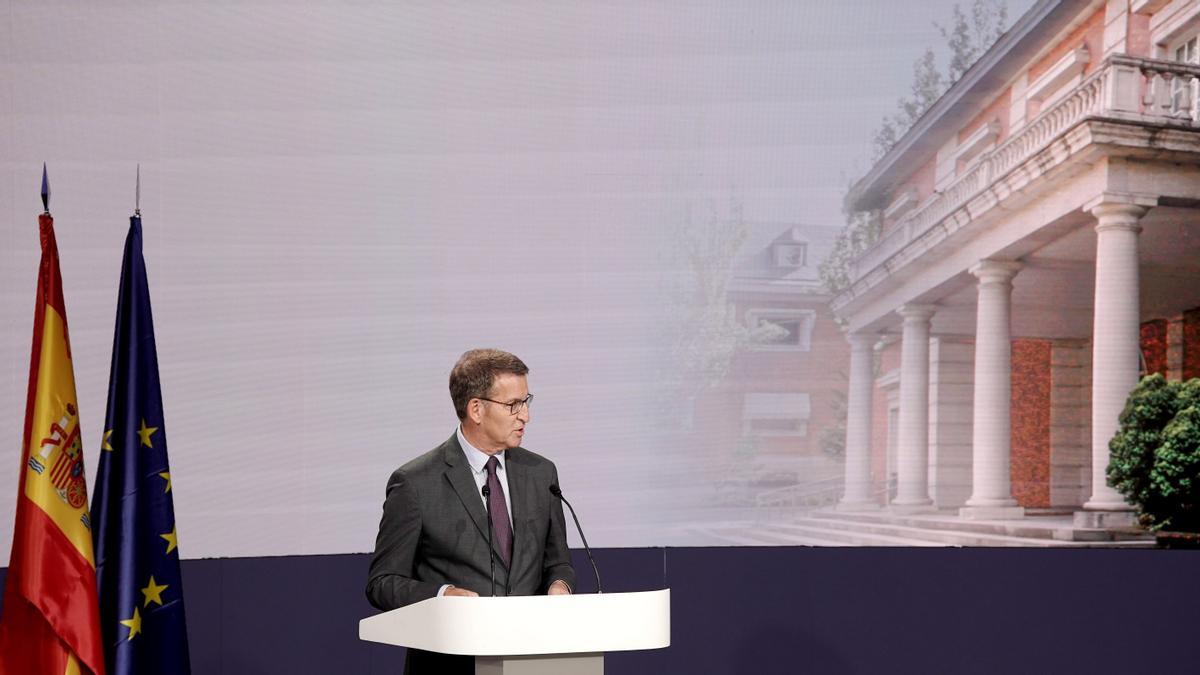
(558,493)
(487,505)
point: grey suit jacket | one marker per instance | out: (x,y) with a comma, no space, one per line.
(434,530)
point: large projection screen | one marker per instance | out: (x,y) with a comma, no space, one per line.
(340,198)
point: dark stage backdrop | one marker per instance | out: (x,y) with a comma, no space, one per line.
(762,611)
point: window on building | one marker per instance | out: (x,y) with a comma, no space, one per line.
(771,414)
(791,255)
(782,329)
(1185,93)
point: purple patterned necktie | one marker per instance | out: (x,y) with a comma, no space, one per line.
(499,509)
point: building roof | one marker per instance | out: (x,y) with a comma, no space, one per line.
(759,266)
(986,78)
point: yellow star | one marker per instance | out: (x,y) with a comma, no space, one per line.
(105,444)
(166,475)
(145,433)
(153,592)
(135,624)
(171,540)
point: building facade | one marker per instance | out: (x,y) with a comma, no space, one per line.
(776,416)
(1040,249)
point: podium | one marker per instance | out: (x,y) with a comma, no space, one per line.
(529,635)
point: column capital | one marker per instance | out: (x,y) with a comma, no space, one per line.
(1119,210)
(1130,198)
(995,271)
(916,312)
(862,340)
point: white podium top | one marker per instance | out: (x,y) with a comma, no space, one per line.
(527,625)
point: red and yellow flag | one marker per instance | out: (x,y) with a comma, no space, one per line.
(50,623)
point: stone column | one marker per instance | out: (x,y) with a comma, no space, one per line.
(991,484)
(857,495)
(912,491)
(1115,348)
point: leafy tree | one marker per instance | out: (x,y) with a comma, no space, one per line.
(1151,406)
(861,230)
(970,34)
(709,332)
(1155,454)
(968,40)
(1176,475)
(928,84)
(704,329)
(832,439)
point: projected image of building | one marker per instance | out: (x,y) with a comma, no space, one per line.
(776,417)
(1038,253)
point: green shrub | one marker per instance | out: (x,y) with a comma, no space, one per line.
(1150,407)
(1155,455)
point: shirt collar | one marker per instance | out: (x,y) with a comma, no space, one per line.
(476,457)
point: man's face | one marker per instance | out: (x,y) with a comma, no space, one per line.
(500,428)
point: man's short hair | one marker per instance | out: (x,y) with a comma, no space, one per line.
(475,373)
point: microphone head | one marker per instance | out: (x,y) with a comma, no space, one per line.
(487,491)
(555,491)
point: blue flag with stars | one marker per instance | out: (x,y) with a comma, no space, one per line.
(133,515)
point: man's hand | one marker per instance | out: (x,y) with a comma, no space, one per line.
(559,587)
(462,592)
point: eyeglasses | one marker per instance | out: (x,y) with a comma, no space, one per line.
(514,407)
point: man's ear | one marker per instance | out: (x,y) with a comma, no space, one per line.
(475,411)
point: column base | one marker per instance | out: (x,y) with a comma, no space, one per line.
(911,509)
(1101,520)
(991,512)
(850,507)
(1106,503)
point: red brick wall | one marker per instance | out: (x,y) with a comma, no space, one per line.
(1030,460)
(820,372)
(1191,344)
(1090,33)
(1138,36)
(1154,346)
(997,110)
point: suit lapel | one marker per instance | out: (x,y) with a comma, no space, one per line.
(458,472)
(520,490)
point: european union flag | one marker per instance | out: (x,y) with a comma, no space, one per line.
(137,554)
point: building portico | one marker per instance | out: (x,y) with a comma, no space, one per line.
(991,495)
(912,491)
(1061,232)
(1116,331)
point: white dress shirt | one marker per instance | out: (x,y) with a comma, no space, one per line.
(478,462)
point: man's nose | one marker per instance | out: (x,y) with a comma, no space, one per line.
(524,414)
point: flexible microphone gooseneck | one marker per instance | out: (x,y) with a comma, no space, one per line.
(487,505)
(558,493)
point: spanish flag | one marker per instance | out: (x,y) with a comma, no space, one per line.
(50,623)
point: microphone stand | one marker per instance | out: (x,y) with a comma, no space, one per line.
(554,490)
(487,505)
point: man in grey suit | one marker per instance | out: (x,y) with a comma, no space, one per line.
(433,537)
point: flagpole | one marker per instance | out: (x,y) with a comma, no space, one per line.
(45,190)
